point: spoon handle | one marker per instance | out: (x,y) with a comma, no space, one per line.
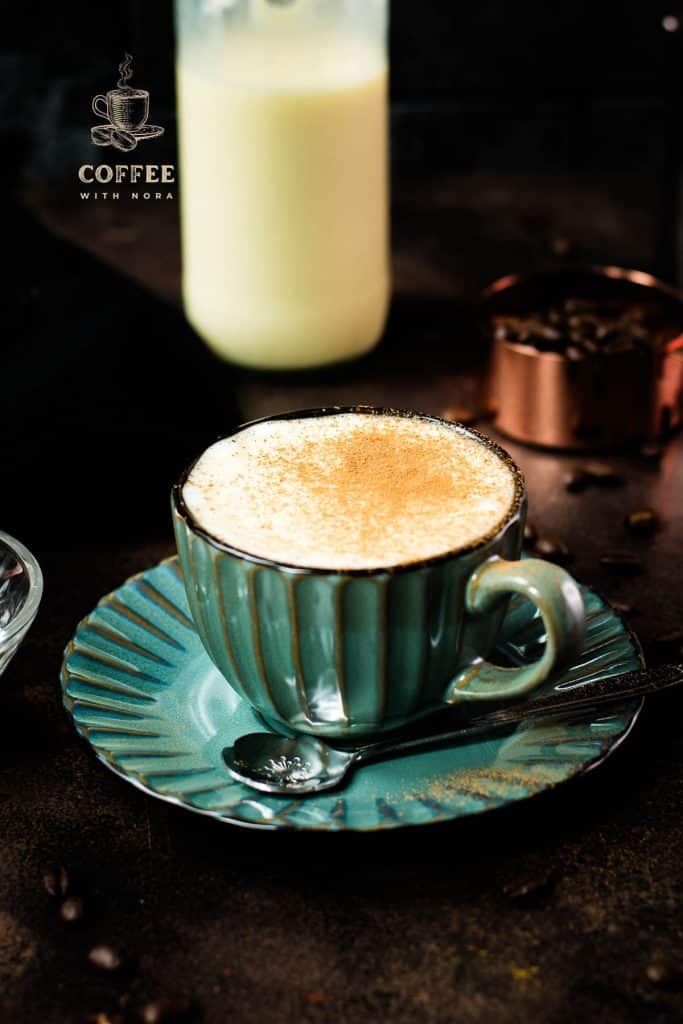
(603,691)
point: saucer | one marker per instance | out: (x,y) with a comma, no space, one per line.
(123,138)
(148,131)
(143,692)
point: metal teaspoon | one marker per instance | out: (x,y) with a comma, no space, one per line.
(302,765)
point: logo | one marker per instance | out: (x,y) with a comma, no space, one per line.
(125,111)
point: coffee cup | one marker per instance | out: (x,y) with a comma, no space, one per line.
(343,647)
(125,108)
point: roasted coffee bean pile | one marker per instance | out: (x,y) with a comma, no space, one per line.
(580,328)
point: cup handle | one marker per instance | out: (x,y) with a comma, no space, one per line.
(557,597)
(100,113)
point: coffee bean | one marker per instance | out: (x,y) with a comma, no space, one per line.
(71,909)
(589,474)
(553,550)
(173,1009)
(574,305)
(665,972)
(602,474)
(581,328)
(56,881)
(651,451)
(669,644)
(530,533)
(576,479)
(639,334)
(644,522)
(459,414)
(562,246)
(531,890)
(106,958)
(625,563)
(544,344)
(623,607)
(549,333)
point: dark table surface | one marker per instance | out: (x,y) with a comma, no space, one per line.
(420,925)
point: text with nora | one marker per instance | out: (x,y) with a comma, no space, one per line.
(106,174)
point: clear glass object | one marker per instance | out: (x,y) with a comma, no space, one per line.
(21,588)
(282,110)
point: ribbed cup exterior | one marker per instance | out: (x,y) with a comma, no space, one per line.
(333,653)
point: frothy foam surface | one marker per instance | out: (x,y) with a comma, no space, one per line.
(349,491)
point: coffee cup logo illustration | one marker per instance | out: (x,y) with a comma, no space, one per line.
(125,110)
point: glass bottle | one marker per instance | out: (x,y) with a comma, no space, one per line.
(282,110)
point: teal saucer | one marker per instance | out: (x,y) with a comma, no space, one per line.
(143,692)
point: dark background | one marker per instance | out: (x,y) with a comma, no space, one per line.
(530,86)
(523,135)
(515,124)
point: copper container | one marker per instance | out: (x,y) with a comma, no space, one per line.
(611,400)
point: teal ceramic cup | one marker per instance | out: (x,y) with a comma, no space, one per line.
(356,652)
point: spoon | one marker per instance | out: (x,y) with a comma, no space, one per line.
(302,765)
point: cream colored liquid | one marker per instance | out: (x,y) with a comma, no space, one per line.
(283,158)
(349,491)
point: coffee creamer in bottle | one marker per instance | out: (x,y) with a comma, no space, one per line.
(283,176)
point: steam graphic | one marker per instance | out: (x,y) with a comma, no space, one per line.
(125,111)
(125,72)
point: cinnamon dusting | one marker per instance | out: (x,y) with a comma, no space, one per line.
(349,491)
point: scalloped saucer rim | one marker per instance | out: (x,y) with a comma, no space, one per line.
(143,693)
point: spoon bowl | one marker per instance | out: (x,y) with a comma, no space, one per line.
(283,764)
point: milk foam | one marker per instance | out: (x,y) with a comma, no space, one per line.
(349,491)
